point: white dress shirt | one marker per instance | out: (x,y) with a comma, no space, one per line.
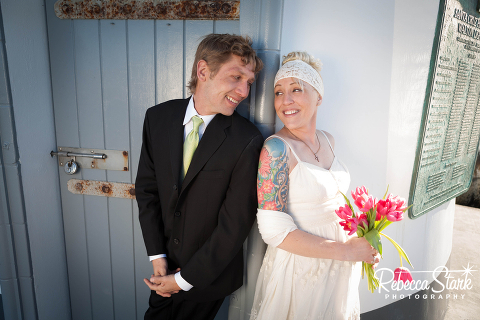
(187,127)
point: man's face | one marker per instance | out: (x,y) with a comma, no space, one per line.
(230,85)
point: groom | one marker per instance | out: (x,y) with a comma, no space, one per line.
(195,185)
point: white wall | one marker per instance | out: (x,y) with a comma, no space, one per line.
(376,57)
(428,239)
(354,41)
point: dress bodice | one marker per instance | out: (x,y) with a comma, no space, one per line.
(314,192)
(291,286)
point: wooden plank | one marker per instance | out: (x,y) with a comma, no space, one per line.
(123,264)
(194,32)
(113,44)
(90,118)
(61,44)
(88,83)
(224,26)
(169,65)
(141,88)
(76,244)
(143,267)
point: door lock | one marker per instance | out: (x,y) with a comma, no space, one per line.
(71,167)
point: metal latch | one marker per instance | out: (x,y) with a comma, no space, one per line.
(76,154)
(74,158)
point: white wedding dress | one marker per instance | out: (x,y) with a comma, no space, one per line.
(290,286)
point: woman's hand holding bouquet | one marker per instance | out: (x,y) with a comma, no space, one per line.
(374,216)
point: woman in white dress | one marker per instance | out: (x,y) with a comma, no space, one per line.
(310,269)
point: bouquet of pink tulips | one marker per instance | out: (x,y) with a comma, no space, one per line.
(374,216)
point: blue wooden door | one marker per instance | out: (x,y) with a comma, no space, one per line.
(105,74)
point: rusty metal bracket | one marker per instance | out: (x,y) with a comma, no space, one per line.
(98,159)
(148,9)
(102,188)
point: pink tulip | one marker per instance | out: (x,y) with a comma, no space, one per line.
(399,203)
(395,216)
(359,191)
(351,224)
(363,220)
(402,274)
(365,202)
(362,200)
(392,207)
(384,207)
(344,212)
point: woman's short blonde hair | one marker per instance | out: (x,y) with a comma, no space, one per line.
(305,57)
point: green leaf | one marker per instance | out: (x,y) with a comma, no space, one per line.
(373,237)
(372,215)
(385,224)
(399,249)
(349,204)
(385,193)
(360,231)
(407,208)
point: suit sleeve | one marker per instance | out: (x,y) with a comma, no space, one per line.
(235,220)
(148,200)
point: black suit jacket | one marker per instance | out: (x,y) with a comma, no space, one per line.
(202,222)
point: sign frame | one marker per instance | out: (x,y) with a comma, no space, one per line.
(426,191)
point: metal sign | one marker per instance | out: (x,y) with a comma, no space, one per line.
(450,127)
(148,9)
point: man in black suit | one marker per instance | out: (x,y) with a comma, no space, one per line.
(195,214)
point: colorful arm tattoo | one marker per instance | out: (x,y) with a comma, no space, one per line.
(272,178)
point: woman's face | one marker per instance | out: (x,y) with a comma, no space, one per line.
(296,107)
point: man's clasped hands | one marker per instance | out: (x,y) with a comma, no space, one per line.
(163,280)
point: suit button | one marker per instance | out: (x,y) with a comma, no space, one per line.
(177,214)
(174,187)
(176,241)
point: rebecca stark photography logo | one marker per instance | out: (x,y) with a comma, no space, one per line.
(452,281)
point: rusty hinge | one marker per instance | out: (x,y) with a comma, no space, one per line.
(102,188)
(148,9)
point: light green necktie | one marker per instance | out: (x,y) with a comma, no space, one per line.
(191,143)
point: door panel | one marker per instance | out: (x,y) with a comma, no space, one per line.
(105,74)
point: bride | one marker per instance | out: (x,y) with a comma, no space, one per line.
(310,269)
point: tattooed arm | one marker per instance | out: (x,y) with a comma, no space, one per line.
(272,190)
(272,178)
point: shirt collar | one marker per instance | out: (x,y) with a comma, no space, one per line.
(191,111)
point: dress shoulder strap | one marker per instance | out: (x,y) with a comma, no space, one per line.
(291,149)
(328,142)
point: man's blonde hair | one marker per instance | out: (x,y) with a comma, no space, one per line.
(216,49)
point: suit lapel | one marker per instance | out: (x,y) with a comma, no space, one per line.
(175,136)
(210,142)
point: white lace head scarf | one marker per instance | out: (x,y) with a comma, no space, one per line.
(303,71)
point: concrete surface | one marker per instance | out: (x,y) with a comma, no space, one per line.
(466,249)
